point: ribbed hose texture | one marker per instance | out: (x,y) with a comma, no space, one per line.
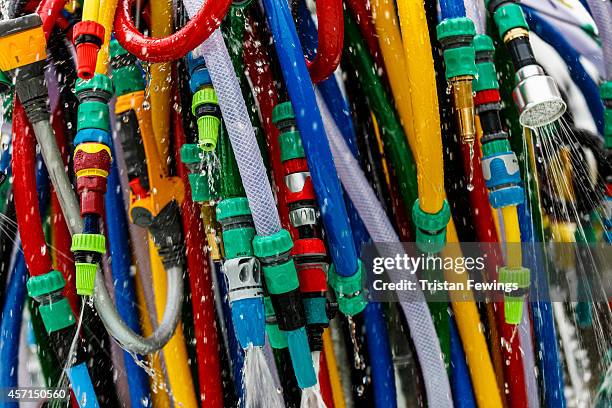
(602,14)
(413,303)
(241,133)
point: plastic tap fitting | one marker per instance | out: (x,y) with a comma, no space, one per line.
(536,94)
(242,271)
(455,35)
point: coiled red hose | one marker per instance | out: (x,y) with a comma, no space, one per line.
(330,40)
(174,46)
(202,298)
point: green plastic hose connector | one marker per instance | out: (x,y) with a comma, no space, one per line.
(456,35)
(54,309)
(205,107)
(350,292)
(85,271)
(514,300)
(431,228)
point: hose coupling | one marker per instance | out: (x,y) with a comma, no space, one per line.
(311,264)
(514,300)
(88,249)
(198,73)
(276,337)
(23,59)
(605,91)
(92,165)
(126,74)
(191,156)
(350,292)
(501,172)
(537,97)
(274,253)
(205,107)
(431,228)
(54,308)
(242,271)
(87,37)
(300,194)
(456,36)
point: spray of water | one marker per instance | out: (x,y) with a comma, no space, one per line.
(311,397)
(256,381)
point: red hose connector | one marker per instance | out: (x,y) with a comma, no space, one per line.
(92,165)
(330,40)
(174,46)
(87,37)
(310,258)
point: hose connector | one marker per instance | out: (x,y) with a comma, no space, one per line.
(431,228)
(88,250)
(191,156)
(126,74)
(514,300)
(311,263)
(53,306)
(242,271)
(456,35)
(274,253)
(205,107)
(276,337)
(501,172)
(350,292)
(22,58)
(87,37)
(605,91)
(537,97)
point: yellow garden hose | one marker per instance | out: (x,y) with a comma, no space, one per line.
(332,368)
(423,91)
(161,74)
(106,16)
(512,234)
(390,41)
(91,9)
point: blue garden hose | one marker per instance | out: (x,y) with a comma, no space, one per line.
(581,78)
(383,376)
(542,316)
(310,124)
(452,9)
(125,295)
(461,384)
(10,326)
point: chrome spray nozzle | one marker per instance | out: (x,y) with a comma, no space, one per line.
(537,97)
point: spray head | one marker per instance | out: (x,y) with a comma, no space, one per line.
(88,37)
(537,97)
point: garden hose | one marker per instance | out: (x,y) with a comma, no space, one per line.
(431,212)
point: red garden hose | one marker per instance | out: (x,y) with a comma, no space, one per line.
(202,300)
(485,230)
(49,10)
(29,222)
(330,40)
(174,46)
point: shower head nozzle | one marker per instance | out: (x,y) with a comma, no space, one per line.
(537,97)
